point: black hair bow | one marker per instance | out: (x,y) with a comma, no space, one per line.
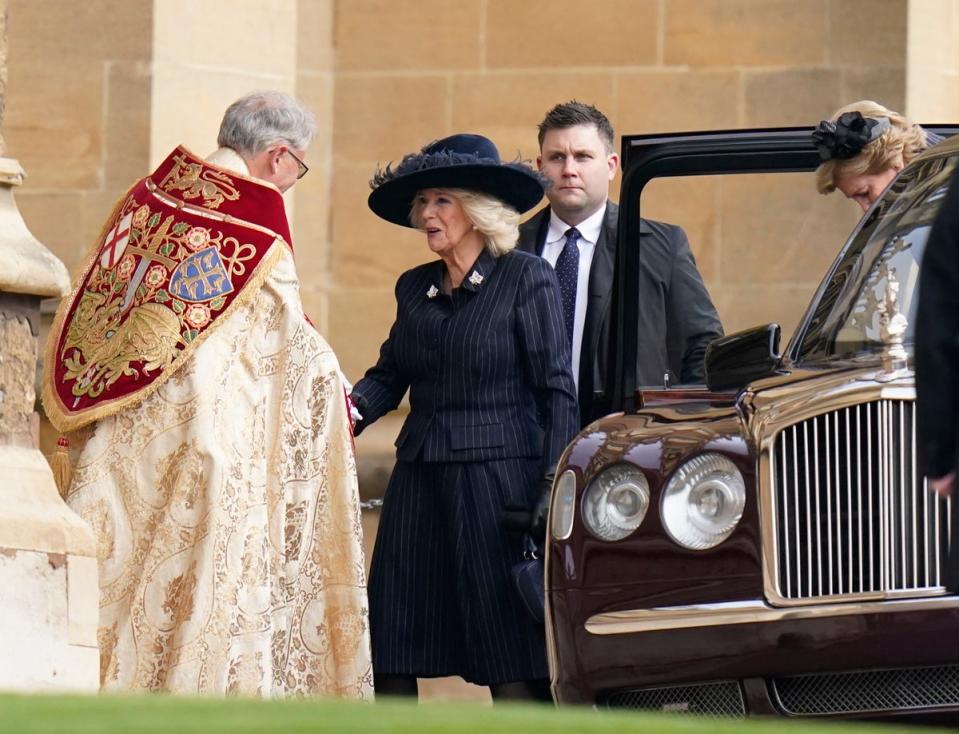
(845,137)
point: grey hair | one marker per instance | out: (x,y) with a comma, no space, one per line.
(260,119)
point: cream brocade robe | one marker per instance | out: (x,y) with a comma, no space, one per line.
(227,516)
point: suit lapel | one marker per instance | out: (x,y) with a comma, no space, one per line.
(532,235)
(599,293)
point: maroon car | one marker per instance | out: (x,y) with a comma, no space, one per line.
(763,544)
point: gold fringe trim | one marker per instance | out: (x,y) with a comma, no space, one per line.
(61,467)
(48,397)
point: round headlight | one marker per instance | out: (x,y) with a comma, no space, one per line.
(703,501)
(616,502)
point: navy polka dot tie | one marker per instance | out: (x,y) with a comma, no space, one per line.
(567,272)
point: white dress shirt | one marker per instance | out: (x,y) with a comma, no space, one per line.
(589,230)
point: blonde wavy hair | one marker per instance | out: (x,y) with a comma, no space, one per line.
(903,137)
(496,221)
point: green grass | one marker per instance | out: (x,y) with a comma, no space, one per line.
(170,715)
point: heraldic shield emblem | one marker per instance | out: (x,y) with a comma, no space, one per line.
(200,277)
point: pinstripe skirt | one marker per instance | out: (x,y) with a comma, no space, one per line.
(442,598)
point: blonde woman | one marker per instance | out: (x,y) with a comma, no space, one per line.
(480,344)
(863,147)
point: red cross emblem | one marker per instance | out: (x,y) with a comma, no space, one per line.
(116,242)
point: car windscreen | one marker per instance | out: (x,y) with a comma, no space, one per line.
(869,298)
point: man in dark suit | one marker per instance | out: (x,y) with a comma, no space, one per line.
(936,358)
(576,233)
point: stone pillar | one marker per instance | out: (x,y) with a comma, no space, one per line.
(48,568)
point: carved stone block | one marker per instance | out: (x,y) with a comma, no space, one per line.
(19,315)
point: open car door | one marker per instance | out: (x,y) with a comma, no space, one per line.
(649,157)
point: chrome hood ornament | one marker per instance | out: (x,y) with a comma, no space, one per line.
(892,324)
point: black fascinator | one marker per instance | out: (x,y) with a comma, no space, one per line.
(848,135)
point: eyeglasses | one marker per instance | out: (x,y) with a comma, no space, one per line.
(304,169)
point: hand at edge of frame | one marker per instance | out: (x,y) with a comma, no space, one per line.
(943,485)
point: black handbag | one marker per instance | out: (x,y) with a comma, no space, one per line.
(529,575)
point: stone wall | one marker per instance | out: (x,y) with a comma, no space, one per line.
(100,90)
(933,61)
(314,85)
(78,112)
(409,72)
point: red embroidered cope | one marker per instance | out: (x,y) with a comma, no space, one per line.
(185,245)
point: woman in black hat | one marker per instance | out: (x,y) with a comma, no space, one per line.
(480,344)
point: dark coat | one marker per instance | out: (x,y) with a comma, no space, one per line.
(937,342)
(491,404)
(488,370)
(677,319)
(937,360)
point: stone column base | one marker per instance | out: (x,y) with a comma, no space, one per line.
(49,605)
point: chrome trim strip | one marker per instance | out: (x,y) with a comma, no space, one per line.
(849,512)
(836,529)
(809,573)
(752,611)
(859,495)
(815,438)
(869,479)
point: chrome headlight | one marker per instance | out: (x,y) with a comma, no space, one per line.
(616,502)
(703,502)
(563,509)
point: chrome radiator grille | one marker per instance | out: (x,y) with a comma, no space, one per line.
(852,515)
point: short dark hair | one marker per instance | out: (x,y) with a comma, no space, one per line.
(568,114)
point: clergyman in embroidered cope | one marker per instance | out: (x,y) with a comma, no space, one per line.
(213,454)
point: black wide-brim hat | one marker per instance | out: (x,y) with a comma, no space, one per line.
(461,161)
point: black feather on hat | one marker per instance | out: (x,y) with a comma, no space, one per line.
(461,161)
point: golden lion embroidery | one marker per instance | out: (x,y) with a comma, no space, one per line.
(193,180)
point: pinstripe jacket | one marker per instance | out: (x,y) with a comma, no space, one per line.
(487,367)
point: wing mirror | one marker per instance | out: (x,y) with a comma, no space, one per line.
(735,360)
